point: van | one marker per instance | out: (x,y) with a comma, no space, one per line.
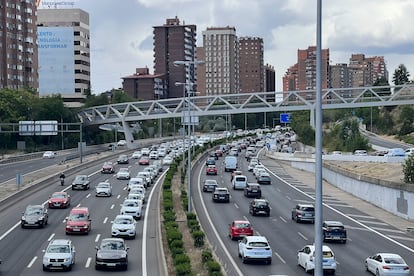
(230,163)
(239,182)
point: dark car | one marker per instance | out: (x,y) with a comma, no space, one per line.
(210,161)
(108,167)
(213,154)
(81,182)
(253,190)
(304,212)
(112,253)
(259,207)
(34,216)
(123,159)
(210,185)
(334,231)
(221,195)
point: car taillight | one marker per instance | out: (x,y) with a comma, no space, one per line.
(406,268)
(386,267)
(248,248)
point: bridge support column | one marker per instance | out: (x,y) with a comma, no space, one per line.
(128,136)
(312,118)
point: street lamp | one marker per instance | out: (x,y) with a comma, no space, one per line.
(189,121)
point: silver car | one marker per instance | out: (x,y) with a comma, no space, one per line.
(59,254)
(103,189)
(124,226)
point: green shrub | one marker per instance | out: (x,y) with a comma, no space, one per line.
(169,216)
(172,235)
(177,243)
(198,237)
(167,195)
(168,205)
(181,258)
(408,169)
(171,225)
(183,269)
(206,256)
(213,266)
(177,250)
(191,216)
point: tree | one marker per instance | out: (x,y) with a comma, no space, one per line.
(401,75)
(382,81)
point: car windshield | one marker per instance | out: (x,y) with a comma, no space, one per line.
(78,217)
(130,204)
(123,220)
(58,249)
(309,209)
(242,225)
(394,260)
(112,245)
(58,196)
(258,244)
(80,178)
(327,254)
(221,191)
(261,203)
(123,170)
(33,211)
(103,185)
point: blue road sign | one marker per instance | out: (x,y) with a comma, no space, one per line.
(285,118)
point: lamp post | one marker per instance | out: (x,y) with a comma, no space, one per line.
(189,122)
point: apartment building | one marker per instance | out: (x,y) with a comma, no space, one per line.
(18,51)
(251,65)
(144,86)
(174,41)
(64,54)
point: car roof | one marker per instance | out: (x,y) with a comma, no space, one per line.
(256,239)
(333,223)
(80,210)
(241,221)
(324,247)
(113,239)
(253,184)
(260,200)
(222,189)
(124,216)
(61,241)
(389,255)
(305,205)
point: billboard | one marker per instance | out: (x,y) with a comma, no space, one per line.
(56,60)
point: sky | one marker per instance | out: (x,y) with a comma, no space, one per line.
(122,30)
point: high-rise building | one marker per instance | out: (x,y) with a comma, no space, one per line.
(221,60)
(18,51)
(269,78)
(251,65)
(176,42)
(144,86)
(64,54)
(341,78)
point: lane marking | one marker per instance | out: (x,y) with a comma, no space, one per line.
(280,258)
(283,219)
(98,236)
(112,206)
(51,237)
(32,262)
(360,216)
(105,220)
(302,236)
(88,262)
(374,222)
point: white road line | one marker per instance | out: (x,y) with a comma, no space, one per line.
(388,230)
(112,206)
(374,222)
(51,237)
(32,262)
(257,233)
(401,238)
(245,218)
(98,236)
(78,205)
(8,231)
(341,205)
(105,220)
(360,216)
(235,205)
(88,262)
(303,236)
(280,258)
(288,197)
(88,195)
(283,219)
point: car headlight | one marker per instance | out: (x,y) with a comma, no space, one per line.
(67,259)
(23,218)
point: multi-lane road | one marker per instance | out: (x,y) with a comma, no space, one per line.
(21,249)
(366,234)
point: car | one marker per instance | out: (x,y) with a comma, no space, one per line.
(123,159)
(253,190)
(59,254)
(138,191)
(122,143)
(144,160)
(306,259)
(123,173)
(34,216)
(49,154)
(146,176)
(112,253)
(252,164)
(136,154)
(395,152)
(209,185)
(304,212)
(264,178)
(211,161)
(239,182)
(103,189)
(259,207)
(167,160)
(360,152)
(211,169)
(136,180)
(59,200)
(78,221)
(383,264)
(213,155)
(233,152)
(409,151)
(333,231)
(131,207)
(258,172)
(255,248)
(81,182)
(108,167)
(154,154)
(219,153)
(258,167)
(221,195)
(145,151)
(239,229)
(124,226)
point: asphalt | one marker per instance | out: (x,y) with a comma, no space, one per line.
(308,179)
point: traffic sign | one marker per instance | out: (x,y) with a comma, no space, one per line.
(285,118)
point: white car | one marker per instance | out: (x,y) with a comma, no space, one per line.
(131,207)
(167,160)
(123,173)
(383,264)
(255,248)
(136,154)
(257,167)
(122,143)
(124,226)
(153,154)
(136,181)
(59,254)
(306,257)
(251,165)
(146,176)
(103,189)
(49,154)
(136,197)
(145,151)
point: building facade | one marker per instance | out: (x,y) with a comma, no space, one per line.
(64,54)
(144,86)
(251,65)
(221,60)
(18,51)
(174,41)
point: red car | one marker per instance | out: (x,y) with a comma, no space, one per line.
(239,229)
(211,169)
(59,200)
(78,221)
(108,167)
(144,160)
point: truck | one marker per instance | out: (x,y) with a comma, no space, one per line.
(230,163)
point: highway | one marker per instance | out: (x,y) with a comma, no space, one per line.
(21,249)
(366,234)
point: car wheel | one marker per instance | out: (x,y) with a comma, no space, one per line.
(377,272)
(45,268)
(343,241)
(269,262)
(366,266)
(96,267)
(306,268)
(231,237)
(244,260)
